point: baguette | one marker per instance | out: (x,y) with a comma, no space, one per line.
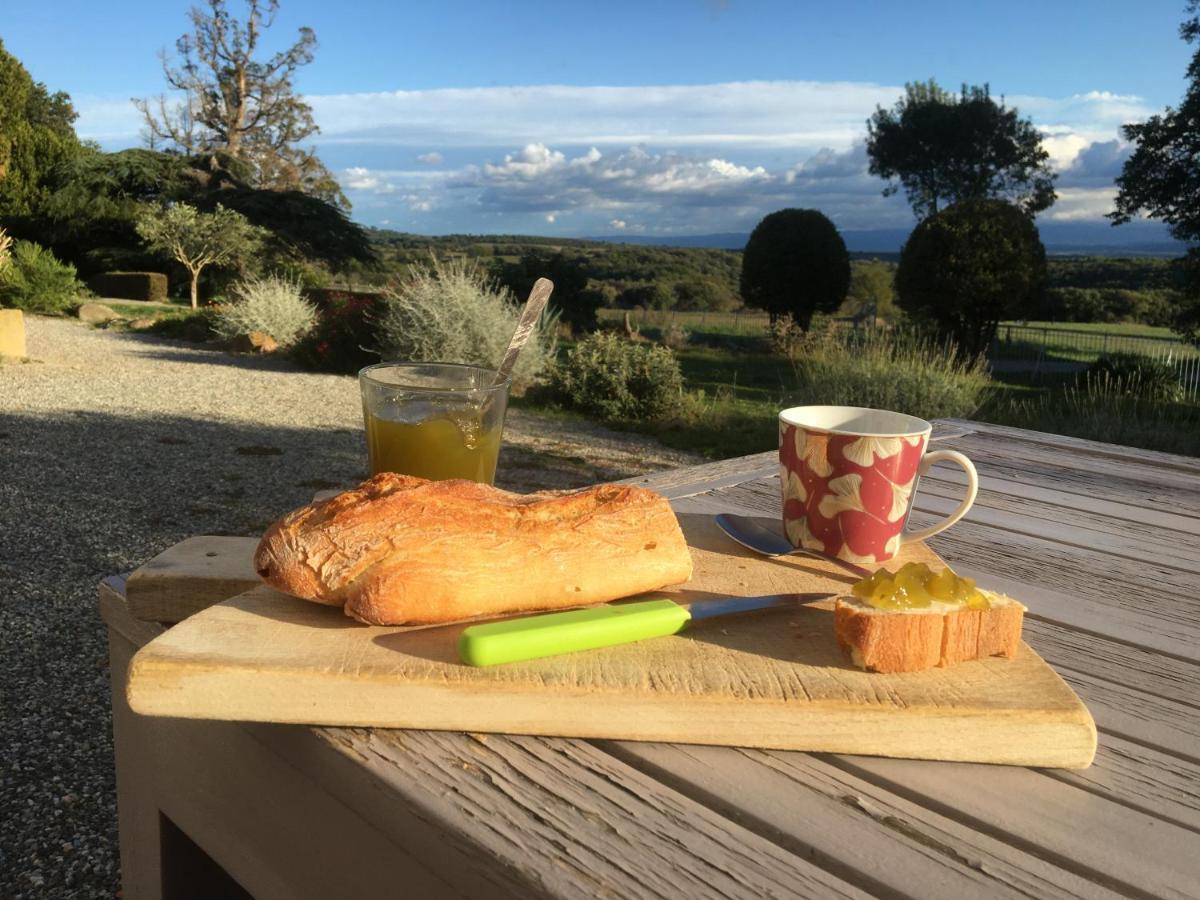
(944,634)
(400,550)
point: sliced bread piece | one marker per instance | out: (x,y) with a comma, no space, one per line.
(943,634)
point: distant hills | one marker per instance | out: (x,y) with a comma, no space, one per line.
(1060,238)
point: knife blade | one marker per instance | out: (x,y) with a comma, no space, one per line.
(553,634)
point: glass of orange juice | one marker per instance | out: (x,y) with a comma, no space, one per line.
(433,420)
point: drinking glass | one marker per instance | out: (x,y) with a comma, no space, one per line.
(433,420)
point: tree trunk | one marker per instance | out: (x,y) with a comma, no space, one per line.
(195,289)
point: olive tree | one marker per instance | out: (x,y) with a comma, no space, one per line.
(970,266)
(795,264)
(196,240)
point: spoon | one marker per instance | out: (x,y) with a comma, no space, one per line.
(538,296)
(753,536)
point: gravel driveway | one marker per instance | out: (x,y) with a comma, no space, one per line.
(113,447)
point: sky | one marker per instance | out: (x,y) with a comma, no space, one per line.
(658,117)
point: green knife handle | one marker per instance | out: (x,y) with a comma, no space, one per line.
(550,634)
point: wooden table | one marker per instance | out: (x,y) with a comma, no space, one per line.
(1101,542)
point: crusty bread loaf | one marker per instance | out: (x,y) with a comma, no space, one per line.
(400,550)
(908,640)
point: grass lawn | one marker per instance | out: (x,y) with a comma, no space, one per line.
(744,390)
(1127,329)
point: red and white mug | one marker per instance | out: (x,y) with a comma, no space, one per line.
(849,475)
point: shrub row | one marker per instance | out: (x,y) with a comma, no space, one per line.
(130,285)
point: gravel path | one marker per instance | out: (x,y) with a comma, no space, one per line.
(113,447)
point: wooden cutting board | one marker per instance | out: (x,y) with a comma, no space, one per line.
(772,679)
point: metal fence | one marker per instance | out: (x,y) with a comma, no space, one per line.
(1054,351)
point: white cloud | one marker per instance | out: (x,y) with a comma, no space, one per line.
(672,158)
(618,224)
(1081,204)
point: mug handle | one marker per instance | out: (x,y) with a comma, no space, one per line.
(972,489)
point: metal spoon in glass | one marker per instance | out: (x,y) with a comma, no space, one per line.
(538,297)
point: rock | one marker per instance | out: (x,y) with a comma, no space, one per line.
(138,324)
(12,333)
(95,313)
(254,342)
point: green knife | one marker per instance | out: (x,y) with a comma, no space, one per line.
(552,634)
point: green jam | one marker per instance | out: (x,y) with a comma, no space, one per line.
(916,586)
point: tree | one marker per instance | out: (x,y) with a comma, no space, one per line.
(197,240)
(241,106)
(795,264)
(945,148)
(91,218)
(872,290)
(968,267)
(36,136)
(1161,177)
(576,306)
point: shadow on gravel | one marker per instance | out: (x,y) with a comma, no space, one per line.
(171,350)
(84,495)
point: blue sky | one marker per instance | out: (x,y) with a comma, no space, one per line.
(652,117)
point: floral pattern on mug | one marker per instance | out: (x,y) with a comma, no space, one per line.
(847,496)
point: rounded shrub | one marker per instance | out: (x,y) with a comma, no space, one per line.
(453,312)
(615,379)
(795,264)
(969,267)
(270,305)
(36,282)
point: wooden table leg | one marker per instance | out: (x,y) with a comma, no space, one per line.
(137,810)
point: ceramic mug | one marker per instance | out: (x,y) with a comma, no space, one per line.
(848,476)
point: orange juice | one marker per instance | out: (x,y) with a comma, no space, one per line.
(437,448)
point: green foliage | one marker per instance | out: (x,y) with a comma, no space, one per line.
(1104,409)
(969,267)
(618,380)
(704,294)
(610,268)
(646,296)
(150,286)
(1161,178)
(897,371)
(872,291)
(270,305)
(344,333)
(223,238)
(1149,307)
(1139,376)
(5,251)
(944,149)
(453,312)
(795,264)
(574,304)
(196,327)
(37,282)
(91,216)
(36,136)
(674,336)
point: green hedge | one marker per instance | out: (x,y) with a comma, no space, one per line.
(130,285)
